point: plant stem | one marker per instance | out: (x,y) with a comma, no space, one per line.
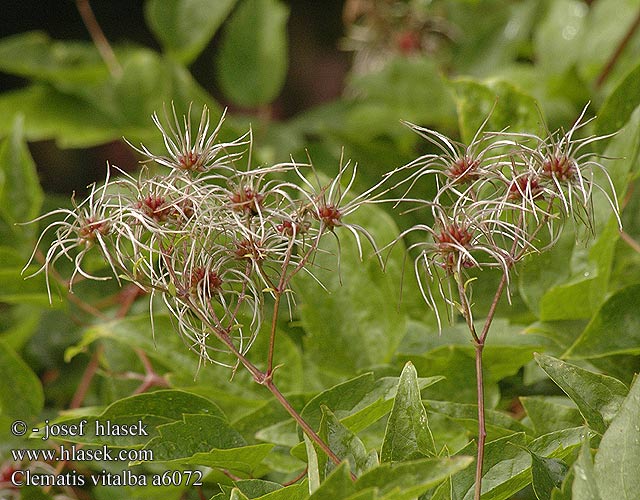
(297,478)
(618,52)
(479,342)
(269,384)
(630,241)
(98,37)
(482,431)
(266,379)
(260,377)
(87,377)
(272,338)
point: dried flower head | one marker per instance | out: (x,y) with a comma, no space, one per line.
(87,225)
(186,151)
(500,198)
(208,237)
(377,31)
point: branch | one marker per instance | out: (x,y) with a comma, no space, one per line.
(98,37)
(604,74)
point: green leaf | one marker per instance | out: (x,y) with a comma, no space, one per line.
(254,488)
(252,62)
(147,84)
(268,415)
(487,47)
(504,104)
(148,492)
(558,36)
(20,192)
(291,376)
(391,92)
(504,454)
(564,493)
(242,460)
(340,398)
(298,491)
(458,364)
(615,329)
(29,492)
(283,433)
(194,434)
(498,424)
(151,409)
(358,402)
(598,397)
(359,319)
(590,270)
(206,440)
(16,287)
(134,331)
(617,461)
(408,435)
(619,104)
(547,415)
(35,55)
(370,494)
(316,465)
(560,334)
(170,404)
(421,339)
(442,492)
(407,480)
(507,463)
(547,473)
(345,444)
(169,351)
(19,324)
(383,394)
(620,160)
(337,485)
(49,113)
(540,272)
(584,482)
(607,24)
(559,444)
(86,114)
(184,27)
(236,494)
(21,395)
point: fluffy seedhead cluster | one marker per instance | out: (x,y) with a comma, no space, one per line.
(498,199)
(210,238)
(378,30)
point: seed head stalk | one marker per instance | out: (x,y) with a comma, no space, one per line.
(265,378)
(502,197)
(211,239)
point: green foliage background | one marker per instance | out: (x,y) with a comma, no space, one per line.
(366,369)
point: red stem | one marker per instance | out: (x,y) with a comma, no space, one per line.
(272,338)
(479,347)
(606,71)
(482,431)
(259,376)
(87,377)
